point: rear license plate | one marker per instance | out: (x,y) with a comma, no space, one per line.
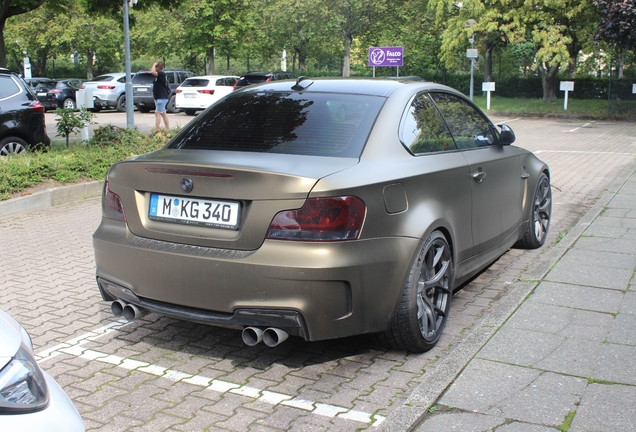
(189,95)
(41,94)
(194,211)
(142,90)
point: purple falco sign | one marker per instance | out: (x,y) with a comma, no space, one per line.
(386,56)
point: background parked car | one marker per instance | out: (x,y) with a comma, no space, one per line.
(59,93)
(22,123)
(142,89)
(109,91)
(198,93)
(261,77)
(30,400)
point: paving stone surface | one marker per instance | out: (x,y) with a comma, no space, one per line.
(159,374)
(566,359)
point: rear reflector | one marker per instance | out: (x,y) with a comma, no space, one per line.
(112,208)
(320,219)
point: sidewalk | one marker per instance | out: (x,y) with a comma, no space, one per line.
(566,359)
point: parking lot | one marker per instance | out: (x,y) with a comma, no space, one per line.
(159,374)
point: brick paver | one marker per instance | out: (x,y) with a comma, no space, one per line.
(159,373)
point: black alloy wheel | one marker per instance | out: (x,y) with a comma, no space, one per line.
(424,307)
(541,213)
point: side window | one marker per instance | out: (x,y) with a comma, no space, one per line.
(8,87)
(170,76)
(469,128)
(182,76)
(422,129)
(122,79)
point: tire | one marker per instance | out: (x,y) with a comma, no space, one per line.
(121,103)
(68,103)
(170,107)
(540,215)
(189,112)
(424,306)
(13,146)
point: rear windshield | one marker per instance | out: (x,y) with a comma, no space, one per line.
(143,79)
(195,82)
(319,124)
(103,78)
(47,85)
(249,80)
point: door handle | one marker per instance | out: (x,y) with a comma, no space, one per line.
(525,176)
(478,176)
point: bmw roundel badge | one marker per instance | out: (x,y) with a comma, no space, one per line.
(186,185)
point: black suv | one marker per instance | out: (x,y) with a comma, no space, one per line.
(261,77)
(22,124)
(142,88)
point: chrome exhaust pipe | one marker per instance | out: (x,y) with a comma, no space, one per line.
(132,312)
(117,307)
(274,336)
(252,336)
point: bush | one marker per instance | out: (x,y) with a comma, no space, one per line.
(67,165)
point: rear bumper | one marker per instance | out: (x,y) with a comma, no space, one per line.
(316,291)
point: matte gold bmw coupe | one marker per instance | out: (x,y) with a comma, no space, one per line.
(320,208)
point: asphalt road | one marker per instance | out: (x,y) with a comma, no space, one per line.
(161,374)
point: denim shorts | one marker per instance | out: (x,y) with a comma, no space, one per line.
(161,105)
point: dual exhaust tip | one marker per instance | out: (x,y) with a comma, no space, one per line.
(128,310)
(270,336)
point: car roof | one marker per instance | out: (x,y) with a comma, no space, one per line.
(364,86)
(212,76)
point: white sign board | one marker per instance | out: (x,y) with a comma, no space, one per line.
(472,53)
(567,86)
(634,88)
(488,86)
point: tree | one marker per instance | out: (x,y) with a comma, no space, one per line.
(355,18)
(11,8)
(618,23)
(556,28)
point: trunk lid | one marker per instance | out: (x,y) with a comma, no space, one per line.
(258,185)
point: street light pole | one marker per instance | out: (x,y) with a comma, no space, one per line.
(130,116)
(472,65)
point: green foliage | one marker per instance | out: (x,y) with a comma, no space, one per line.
(68,165)
(68,121)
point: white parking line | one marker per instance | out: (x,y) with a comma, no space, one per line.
(74,347)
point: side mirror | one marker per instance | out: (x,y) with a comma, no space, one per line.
(507,136)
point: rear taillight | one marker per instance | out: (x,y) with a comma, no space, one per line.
(105,87)
(320,219)
(206,91)
(36,106)
(82,87)
(179,90)
(55,91)
(112,208)
(268,80)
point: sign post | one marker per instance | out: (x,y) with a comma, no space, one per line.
(488,87)
(386,56)
(566,86)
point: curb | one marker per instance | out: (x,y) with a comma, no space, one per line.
(52,197)
(412,412)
